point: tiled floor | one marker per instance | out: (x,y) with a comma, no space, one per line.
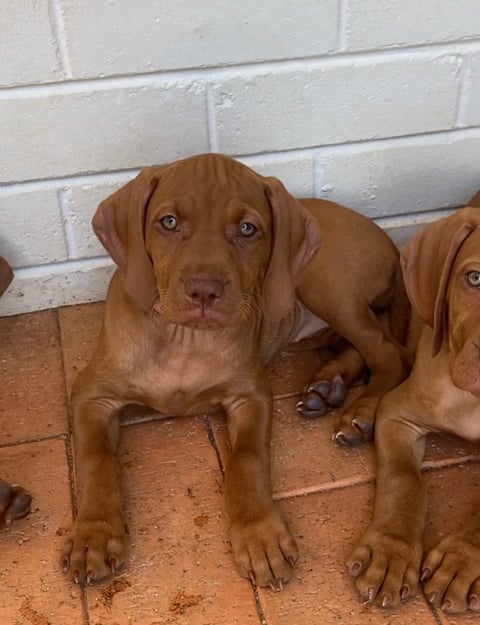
(179,569)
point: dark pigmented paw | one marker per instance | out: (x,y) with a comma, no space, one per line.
(354,432)
(15,503)
(322,395)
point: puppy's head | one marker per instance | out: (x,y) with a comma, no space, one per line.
(207,242)
(441,267)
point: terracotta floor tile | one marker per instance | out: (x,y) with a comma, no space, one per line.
(326,526)
(32,400)
(34,591)
(79,331)
(289,371)
(180,570)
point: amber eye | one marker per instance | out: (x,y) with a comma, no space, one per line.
(473,278)
(169,222)
(247,229)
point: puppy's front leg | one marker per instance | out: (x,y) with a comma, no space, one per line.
(96,545)
(386,560)
(263,546)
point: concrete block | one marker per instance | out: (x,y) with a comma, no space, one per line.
(403,176)
(50,287)
(472,95)
(372,24)
(295,173)
(125,37)
(27,44)
(330,104)
(80,203)
(63,133)
(31,231)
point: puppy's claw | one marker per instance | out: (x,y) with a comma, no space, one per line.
(347,439)
(404,592)
(426,574)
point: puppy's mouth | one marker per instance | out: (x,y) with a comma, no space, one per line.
(196,318)
(201,318)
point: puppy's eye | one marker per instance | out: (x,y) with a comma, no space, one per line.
(247,229)
(473,278)
(169,222)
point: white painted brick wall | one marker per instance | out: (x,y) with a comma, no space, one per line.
(373,103)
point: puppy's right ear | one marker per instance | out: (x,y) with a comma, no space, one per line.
(427,261)
(119,223)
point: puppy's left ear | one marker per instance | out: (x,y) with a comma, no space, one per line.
(296,238)
(475,200)
(119,223)
(427,261)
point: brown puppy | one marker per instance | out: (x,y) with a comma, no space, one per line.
(14,500)
(218,268)
(442,274)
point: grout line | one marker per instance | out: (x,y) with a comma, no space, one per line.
(446,463)
(463,93)
(432,608)
(213,442)
(68,436)
(39,439)
(60,34)
(428,466)
(342,24)
(68,229)
(322,488)
(258,604)
(225,72)
(211,119)
(328,149)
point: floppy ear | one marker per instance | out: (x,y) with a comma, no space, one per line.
(427,261)
(296,238)
(119,223)
(475,200)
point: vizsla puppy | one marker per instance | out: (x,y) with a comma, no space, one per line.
(218,268)
(14,500)
(442,274)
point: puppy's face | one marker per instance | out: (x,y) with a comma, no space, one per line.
(209,235)
(463,312)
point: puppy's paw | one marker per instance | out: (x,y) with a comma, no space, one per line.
(385,568)
(264,550)
(15,503)
(356,423)
(321,395)
(451,573)
(95,548)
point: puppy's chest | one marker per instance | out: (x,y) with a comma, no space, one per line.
(188,378)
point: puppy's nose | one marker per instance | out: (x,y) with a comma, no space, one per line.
(203,292)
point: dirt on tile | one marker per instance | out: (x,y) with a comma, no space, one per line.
(202,520)
(182,601)
(108,593)
(31,615)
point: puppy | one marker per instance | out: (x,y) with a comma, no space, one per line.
(219,268)
(442,275)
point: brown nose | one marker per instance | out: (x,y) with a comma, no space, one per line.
(203,292)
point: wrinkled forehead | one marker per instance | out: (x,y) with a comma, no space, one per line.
(211,177)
